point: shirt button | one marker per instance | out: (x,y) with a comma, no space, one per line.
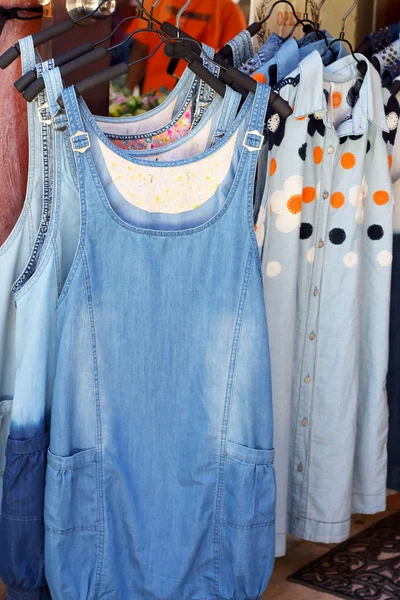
(321,244)
(312,336)
(304,422)
(308,379)
(325,195)
(300,468)
(316,292)
(331,149)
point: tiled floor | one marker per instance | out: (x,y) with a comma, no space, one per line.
(299,554)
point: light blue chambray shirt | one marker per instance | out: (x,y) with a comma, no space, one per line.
(325,232)
(286,56)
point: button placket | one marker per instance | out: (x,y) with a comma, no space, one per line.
(304,421)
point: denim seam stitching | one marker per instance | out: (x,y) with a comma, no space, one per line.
(92,462)
(100,490)
(252,462)
(247,527)
(46,211)
(226,415)
(71,529)
(46,253)
(20,518)
(79,254)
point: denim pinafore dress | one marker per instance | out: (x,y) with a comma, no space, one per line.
(16,250)
(159,482)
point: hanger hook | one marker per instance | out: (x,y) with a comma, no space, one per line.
(180,13)
(345,18)
(306,10)
(153,6)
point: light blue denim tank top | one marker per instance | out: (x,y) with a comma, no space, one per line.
(21,529)
(159,481)
(15,252)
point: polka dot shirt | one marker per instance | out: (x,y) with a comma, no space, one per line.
(325,231)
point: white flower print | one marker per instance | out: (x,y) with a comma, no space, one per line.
(319,115)
(273,122)
(287,204)
(357,196)
(392,121)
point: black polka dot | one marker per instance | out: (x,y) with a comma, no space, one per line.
(337,236)
(368,146)
(306,230)
(303,152)
(375,232)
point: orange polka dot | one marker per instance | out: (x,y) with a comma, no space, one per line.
(260,77)
(348,160)
(294,204)
(255,227)
(301,118)
(272,167)
(381,197)
(337,199)
(309,194)
(318,154)
(390,160)
(336,99)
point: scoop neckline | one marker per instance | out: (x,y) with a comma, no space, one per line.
(128,154)
(104,196)
(90,123)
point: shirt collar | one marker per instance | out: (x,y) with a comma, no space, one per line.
(311,97)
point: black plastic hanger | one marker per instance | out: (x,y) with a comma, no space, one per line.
(122,68)
(26,80)
(82,61)
(10,55)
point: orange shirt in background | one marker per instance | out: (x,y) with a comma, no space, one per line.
(213,22)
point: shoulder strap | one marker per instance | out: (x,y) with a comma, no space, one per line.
(242,48)
(254,137)
(54,87)
(29,56)
(79,137)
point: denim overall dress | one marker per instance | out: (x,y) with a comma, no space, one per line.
(159,479)
(36,297)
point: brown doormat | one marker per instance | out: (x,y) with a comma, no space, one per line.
(365,566)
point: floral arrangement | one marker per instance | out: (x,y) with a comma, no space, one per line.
(124,104)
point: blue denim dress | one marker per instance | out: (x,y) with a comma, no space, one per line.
(29,427)
(15,252)
(161,440)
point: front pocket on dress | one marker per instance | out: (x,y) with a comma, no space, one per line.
(71,515)
(71,497)
(249,490)
(247,528)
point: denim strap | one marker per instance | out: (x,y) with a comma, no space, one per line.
(79,138)
(242,48)
(42,105)
(54,87)
(29,55)
(230,108)
(205,93)
(254,138)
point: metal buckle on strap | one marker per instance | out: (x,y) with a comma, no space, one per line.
(76,142)
(59,120)
(253,148)
(44,118)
